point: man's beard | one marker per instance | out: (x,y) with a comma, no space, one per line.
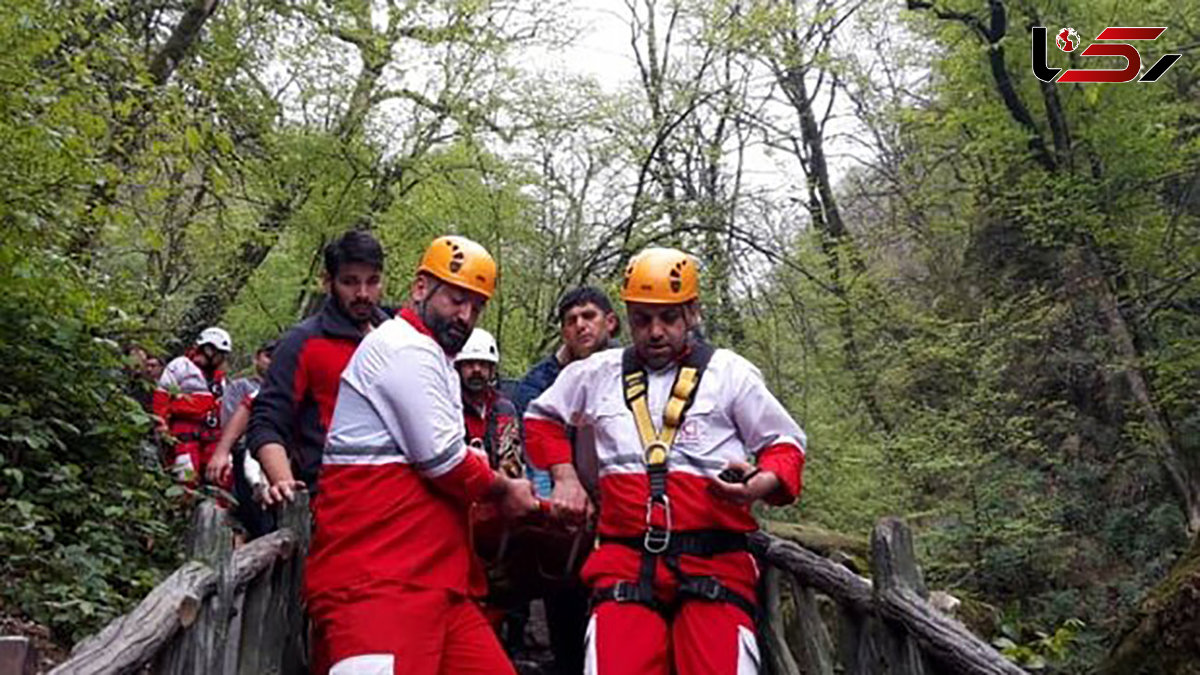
(359,310)
(475,384)
(448,333)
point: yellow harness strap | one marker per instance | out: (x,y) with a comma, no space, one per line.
(656,444)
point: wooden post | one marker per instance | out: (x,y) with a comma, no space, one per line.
(202,649)
(778,655)
(809,636)
(894,566)
(261,644)
(17,655)
(297,518)
(274,632)
(900,594)
(260,640)
(859,643)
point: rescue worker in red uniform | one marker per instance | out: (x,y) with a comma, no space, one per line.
(391,580)
(188,405)
(491,426)
(677,426)
(488,415)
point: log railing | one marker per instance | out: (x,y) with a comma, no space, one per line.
(884,625)
(223,612)
(230,612)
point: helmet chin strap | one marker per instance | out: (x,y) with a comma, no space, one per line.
(420,305)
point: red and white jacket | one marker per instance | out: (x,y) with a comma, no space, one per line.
(733,417)
(396,477)
(187,399)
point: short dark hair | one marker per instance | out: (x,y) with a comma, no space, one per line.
(354,246)
(583,295)
(267,347)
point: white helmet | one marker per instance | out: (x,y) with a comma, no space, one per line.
(217,337)
(481,346)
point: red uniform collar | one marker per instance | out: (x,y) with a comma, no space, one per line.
(415,321)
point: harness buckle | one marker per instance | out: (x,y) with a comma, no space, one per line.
(657,540)
(705,587)
(656,453)
(624,591)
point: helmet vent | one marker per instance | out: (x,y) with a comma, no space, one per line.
(457,259)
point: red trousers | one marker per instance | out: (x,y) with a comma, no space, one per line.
(387,629)
(702,637)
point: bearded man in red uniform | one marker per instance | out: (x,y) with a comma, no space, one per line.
(391,579)
(677,424)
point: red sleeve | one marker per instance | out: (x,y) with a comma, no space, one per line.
(468,482)
(161,403)
(546,443)
(787,462)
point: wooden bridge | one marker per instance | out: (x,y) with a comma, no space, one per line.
(230,612)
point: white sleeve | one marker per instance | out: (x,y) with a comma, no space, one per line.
(412,396)
(173,374)
(760,418)
(253,472)
(565,401)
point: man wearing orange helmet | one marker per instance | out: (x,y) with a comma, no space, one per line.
(391,578)
(677,424)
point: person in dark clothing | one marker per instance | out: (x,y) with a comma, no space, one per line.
(587,324)
(292,412)
(230,462)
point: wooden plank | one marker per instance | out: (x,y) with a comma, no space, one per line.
(839,583)
(864,651)
(899,591)
(778,656)
(135,638)
(229,666)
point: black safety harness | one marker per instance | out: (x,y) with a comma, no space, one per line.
(661,541)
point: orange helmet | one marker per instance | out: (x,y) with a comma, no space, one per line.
(462,262)
(661,276)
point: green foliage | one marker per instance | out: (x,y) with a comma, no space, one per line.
(1044,650)
(86,530)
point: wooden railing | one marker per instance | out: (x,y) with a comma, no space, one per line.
(223,612)
(884,625)
(229,612)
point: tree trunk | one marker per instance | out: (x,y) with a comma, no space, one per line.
(836,242)
(1179,475)
(186,32)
